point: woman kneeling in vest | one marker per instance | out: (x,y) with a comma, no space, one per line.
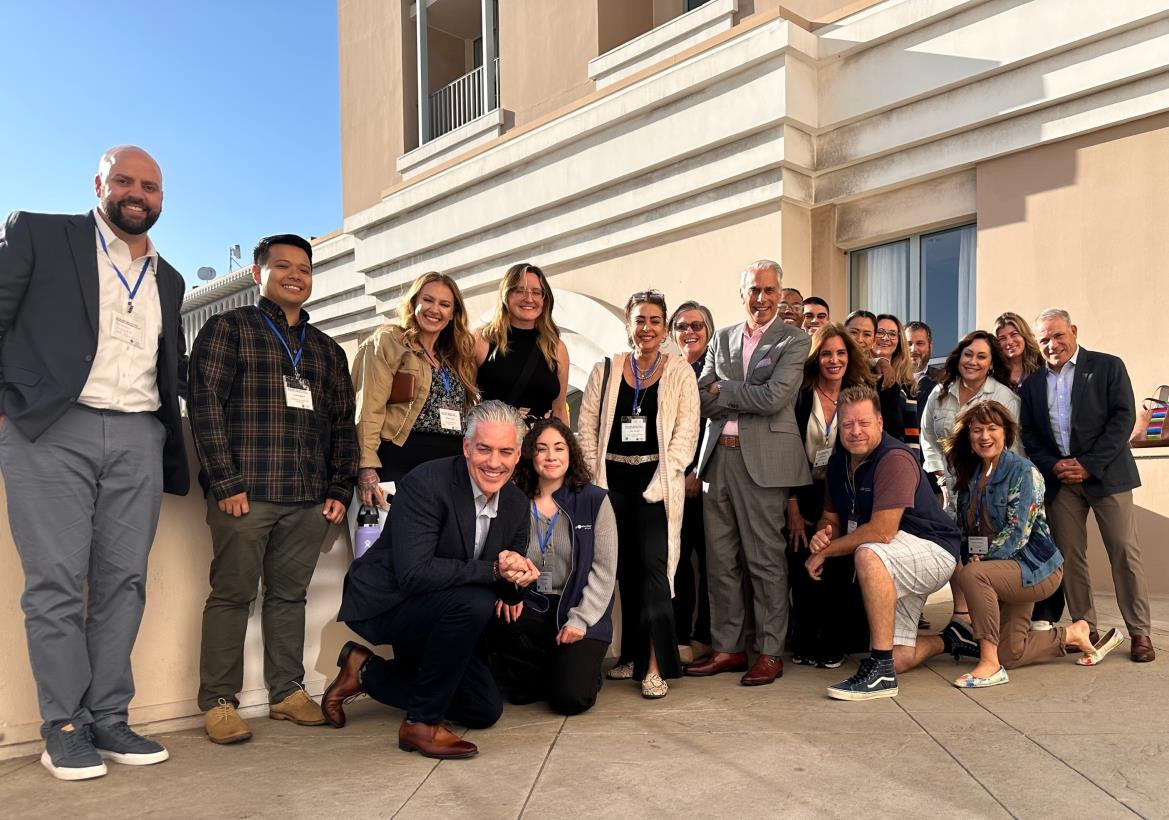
(1012,561)
(552,645)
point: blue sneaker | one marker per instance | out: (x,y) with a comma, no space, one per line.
(874,679)
(69,753)
(117,742)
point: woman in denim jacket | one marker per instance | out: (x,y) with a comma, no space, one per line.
(1012,560)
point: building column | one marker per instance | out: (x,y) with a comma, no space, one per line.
(423,74)
(490,52)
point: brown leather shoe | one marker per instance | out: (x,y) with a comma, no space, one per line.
(1142,649)
(764,671)
(438,741)
(718,662)
(347,683)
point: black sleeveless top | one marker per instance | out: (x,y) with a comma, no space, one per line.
(498,375)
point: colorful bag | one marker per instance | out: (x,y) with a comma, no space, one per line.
(1149,430)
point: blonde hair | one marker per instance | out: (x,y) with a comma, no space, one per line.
(495,331)
(455,345)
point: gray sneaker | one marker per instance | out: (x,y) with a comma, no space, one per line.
(117,742)
(69,753)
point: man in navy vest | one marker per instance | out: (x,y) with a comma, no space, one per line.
(880,508)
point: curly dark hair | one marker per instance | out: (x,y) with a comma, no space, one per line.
(959,454)
(526,477)
(998,362)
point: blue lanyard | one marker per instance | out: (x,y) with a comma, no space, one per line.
(543,540)
(300,350)
(141,274)
(637,380)
(446,379)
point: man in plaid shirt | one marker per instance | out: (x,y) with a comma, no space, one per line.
(272,411)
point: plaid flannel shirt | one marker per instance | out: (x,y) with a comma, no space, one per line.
(247,437)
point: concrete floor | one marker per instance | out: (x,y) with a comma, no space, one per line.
(1059,740)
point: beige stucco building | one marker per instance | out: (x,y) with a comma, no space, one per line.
(944,159)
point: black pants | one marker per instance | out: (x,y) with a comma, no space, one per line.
(827,616)
(647,614)
(691,597)
(438,672)
(530,666)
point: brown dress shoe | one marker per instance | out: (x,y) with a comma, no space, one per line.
(438,741)
(718,662)
(764,671)
(1142,649)
(347,683)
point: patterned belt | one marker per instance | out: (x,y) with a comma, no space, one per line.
(630,459)
(729,441)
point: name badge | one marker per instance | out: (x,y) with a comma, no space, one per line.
(450,419)
(544,582)
(851,525)
(978,544)
(822,457)
(632,428)
(127,328)
(297,393)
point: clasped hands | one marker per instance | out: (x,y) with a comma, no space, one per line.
(1070,471)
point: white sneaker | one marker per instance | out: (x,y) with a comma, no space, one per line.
(1042,626)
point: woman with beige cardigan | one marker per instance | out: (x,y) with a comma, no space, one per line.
(638,429)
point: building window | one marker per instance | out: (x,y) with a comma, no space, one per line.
(690,5)
(929,277)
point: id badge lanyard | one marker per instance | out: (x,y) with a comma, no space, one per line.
(132,291)
(295,359)
(544,542)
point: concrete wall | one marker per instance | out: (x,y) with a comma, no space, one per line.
(619,21)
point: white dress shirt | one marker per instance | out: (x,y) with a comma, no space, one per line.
(1059,403)
(124,375)
(485,510)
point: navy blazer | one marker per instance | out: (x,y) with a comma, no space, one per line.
(49,310)
(428,540)
(1103,414)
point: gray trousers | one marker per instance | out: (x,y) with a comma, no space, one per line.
(83,504)
(1068,518)
(281,544)
(744,536)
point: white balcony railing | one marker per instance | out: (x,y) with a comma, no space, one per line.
(459,102)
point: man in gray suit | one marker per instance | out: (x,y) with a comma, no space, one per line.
(751,457)
(92,362)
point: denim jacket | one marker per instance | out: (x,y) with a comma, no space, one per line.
(1013,499)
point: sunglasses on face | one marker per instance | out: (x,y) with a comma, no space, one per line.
(682,327)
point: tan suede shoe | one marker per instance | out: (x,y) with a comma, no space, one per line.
(299,708)
(224,725)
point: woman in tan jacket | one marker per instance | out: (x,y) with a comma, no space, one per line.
(638,430)
(415,380)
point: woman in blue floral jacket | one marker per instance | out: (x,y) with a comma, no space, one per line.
(1012,560)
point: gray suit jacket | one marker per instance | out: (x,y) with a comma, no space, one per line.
(763,403)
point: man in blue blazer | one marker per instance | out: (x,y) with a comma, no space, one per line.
(92,363)
(1077,414)
(454,544)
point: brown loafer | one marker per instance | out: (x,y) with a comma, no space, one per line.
(764,671)
(716,663)
(438,741)
(1142,649)
(347,683)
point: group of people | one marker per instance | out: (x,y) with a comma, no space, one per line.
(781,482)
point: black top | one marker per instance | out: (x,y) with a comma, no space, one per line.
(649,411)
(499,375)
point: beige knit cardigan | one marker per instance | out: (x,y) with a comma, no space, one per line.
(677,426)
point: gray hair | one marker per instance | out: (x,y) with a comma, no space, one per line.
(1054,313)
(762,264)
(494,412)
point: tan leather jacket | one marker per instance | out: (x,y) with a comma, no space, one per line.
(381,356)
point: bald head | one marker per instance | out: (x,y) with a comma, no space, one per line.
(129,190)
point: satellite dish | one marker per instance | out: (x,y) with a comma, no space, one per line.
(205,273)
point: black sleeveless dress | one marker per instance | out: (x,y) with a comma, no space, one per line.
(499,375)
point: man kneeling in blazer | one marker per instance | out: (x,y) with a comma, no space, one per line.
(453,545)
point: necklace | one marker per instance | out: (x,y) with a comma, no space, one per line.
(647,373)
(825,395)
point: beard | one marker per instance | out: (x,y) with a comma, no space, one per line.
(133,225)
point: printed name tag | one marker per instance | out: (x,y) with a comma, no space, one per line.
(450,419)
(128,329)
(544,582)
(297,393)
(633,428)
(851,525)
(978,544)
(822,457)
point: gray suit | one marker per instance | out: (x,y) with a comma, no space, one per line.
(745,488)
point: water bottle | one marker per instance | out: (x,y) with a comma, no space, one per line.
(368,530)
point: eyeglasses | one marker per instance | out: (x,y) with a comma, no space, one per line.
(682,327)
(886,334)
(791,307)
(534,293)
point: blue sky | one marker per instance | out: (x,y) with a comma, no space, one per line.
(237,100)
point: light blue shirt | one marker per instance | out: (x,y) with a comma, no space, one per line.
(485,510)
(1059,403)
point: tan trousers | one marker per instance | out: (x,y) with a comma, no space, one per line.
(1068,517)
(1000,611)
